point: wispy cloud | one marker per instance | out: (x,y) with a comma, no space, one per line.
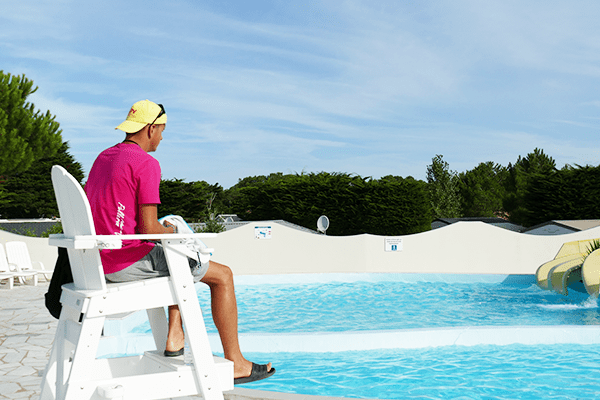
(372,88)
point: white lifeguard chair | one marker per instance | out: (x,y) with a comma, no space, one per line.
(73,371)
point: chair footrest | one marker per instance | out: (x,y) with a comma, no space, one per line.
(223,367)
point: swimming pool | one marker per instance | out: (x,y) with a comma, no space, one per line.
(561,371)
(408,328)
(397,301)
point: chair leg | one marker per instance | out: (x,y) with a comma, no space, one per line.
(10,282)
(49,379)
(160,327)
(204,366)
(53,381)
(73,354)
(85,350)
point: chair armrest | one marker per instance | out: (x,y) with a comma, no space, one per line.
(161,236)
(114,241)
(78,242)
(42,268)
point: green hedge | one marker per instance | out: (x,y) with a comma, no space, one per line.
(566,194)
(190,200)
(354,205)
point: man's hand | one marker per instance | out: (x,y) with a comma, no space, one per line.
(170,225)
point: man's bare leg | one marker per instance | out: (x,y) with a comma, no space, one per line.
(219,279)
(175,337)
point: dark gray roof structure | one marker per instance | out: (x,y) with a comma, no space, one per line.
(28,227)
(499,222)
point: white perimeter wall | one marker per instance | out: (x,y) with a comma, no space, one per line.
(464,247)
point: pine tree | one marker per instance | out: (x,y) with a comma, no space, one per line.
(482,190)
(443,189)
(30,194)
(26,135)
(520,176)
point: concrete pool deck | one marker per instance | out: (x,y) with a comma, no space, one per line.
(26,334)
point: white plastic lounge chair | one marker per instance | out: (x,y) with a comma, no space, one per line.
(5,273)
(73,372)
(18,254)
(9,268)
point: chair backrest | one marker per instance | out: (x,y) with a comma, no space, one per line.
(3,261)
(76,218)
(18,254)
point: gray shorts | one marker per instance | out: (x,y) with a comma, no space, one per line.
(154,265)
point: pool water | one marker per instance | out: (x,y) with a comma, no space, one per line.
(452,372)
(399,305)
(391,303)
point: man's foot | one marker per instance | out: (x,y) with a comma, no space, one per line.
(175,353)
(257,373)
(174,347)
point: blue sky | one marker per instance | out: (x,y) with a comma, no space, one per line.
(372,88)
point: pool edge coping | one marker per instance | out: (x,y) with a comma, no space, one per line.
(255,394)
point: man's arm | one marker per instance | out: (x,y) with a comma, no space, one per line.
(149,221)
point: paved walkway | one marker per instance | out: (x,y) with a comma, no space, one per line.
(26,334)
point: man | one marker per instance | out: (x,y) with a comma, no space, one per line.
(123,191)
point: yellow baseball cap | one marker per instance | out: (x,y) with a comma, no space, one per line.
(142,113)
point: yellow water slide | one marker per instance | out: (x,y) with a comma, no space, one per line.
(590,273)
(565,268)
(543,273)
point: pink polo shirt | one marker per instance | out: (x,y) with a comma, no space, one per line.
(122,177)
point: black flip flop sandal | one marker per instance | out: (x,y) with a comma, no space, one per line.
(259,372)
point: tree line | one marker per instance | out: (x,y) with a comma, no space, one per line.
(492,190)
(528,192)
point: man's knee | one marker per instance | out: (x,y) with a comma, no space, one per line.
(218,274)
(226,273)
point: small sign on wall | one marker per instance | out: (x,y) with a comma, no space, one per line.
(393,244)
(262,232)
